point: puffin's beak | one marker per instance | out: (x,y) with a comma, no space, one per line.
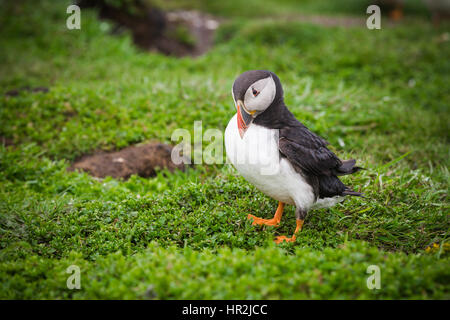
(244,119)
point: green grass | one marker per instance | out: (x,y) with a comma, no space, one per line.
(378,96)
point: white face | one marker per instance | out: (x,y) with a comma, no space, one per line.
(260,95)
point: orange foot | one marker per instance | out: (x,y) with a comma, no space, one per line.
(266,222)
(298,228)
(275,221)
(280,239)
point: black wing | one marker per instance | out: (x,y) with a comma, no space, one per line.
(308,151)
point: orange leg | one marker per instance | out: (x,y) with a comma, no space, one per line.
(280,239)
(269,222)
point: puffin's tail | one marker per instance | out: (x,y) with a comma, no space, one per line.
(350,192)
(348,167)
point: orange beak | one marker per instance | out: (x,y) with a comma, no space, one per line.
(244,119)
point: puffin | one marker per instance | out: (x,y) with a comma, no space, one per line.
(279,155)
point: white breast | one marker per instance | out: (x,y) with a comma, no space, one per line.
(257,159)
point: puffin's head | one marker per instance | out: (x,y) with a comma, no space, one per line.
(253,92)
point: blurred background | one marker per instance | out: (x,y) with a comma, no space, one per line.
(136,70)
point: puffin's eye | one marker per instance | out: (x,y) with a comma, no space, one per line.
(255,92)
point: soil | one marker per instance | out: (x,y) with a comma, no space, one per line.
(143,160)
(155,30)
(201,28)
(5,141)
(16,92)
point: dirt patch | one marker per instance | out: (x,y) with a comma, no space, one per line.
(5,141)
(178,33)
(200,27)
(142,160)
(16,92)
